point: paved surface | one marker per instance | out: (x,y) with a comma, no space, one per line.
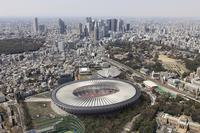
(53,106)
(33,99)
(123,67)
(153,98)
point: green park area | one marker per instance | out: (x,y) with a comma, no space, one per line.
(13,46)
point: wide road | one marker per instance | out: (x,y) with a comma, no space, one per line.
(136,73)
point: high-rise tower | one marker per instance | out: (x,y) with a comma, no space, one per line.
(114,25)
(81,30)
(35,25)
(96,32)
(61,25)
(120,25)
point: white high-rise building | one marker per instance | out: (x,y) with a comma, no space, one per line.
(61,46)
(198,72)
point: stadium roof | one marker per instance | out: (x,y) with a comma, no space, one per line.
(66,96)
(95,95)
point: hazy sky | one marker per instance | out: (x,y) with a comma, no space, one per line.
(167,8)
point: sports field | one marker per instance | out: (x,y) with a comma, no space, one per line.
(173,64)
(163,91)
(41,114)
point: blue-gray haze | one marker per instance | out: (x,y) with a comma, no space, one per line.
(146,8)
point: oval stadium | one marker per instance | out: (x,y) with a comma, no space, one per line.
(95,96)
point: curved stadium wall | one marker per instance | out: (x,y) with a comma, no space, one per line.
(95,96)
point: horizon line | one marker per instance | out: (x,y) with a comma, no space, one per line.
(98,16)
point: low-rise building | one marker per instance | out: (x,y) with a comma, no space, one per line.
(144,71)
(155,75)
(150,84)
(192,88)
(2,97)
(182,124)
(173,82)
(84,70)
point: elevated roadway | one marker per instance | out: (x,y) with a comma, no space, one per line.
(136,73)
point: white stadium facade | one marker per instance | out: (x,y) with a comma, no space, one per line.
(95,96)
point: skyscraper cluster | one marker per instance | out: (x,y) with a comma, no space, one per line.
(38,28)
(101,28)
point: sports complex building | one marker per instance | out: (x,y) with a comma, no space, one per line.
(95,96)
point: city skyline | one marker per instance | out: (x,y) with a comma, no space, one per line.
(103,66)
(78,8)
